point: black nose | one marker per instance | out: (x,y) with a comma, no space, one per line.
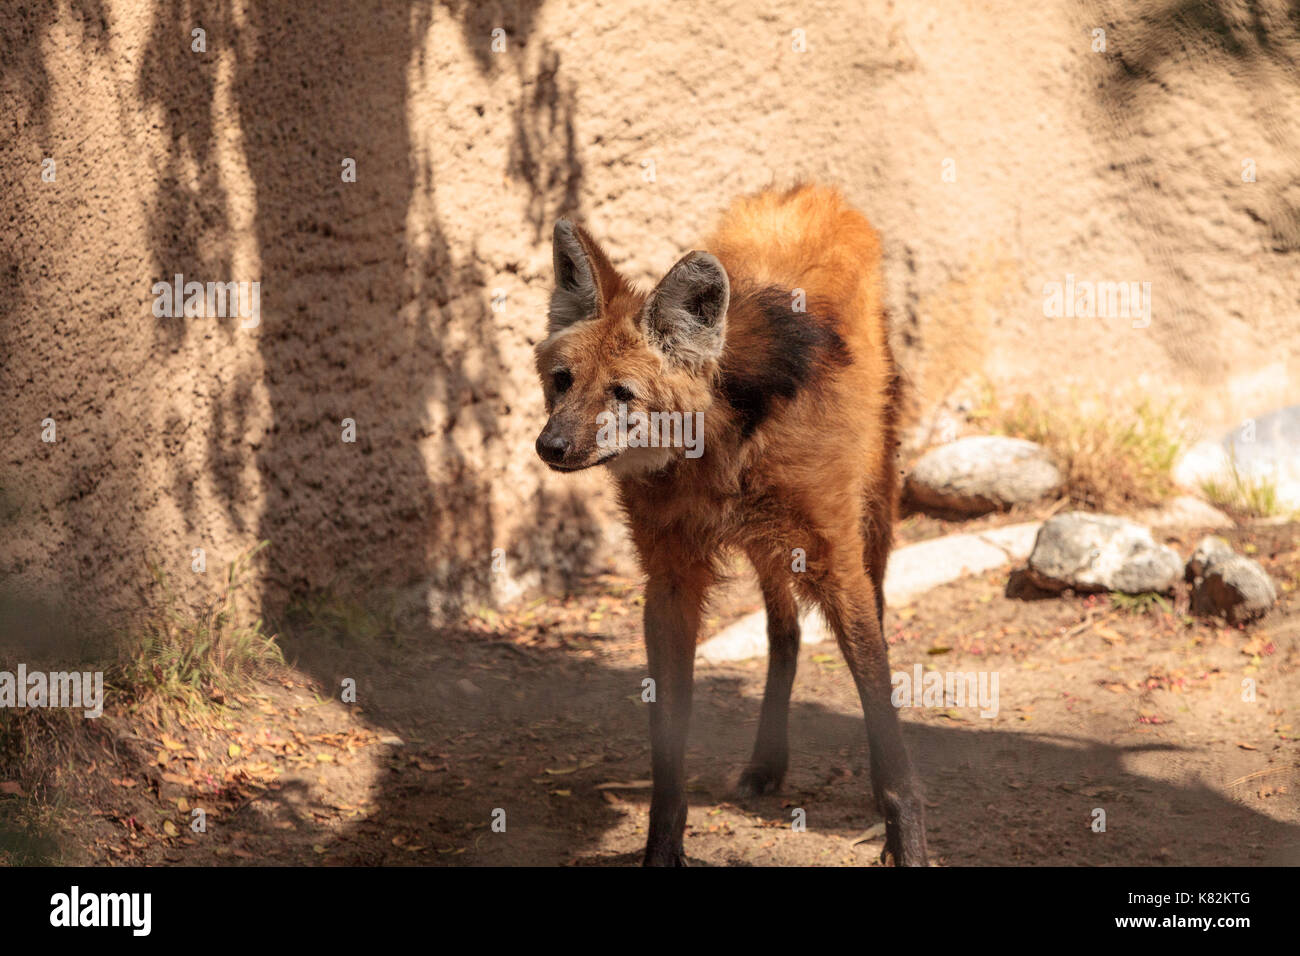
(552,448)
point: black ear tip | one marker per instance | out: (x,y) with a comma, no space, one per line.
(563,228)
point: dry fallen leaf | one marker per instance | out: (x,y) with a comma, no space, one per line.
(1109,635)
(870,833)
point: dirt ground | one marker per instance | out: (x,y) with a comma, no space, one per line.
(1138,713)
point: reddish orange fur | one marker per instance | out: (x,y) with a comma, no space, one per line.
(815,473)
(822,465)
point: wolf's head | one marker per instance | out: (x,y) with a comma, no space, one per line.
(612,349)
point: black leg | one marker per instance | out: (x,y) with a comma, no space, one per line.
(898,795)
(771,755)
(672,614)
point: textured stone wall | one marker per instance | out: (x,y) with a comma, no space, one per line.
(992,145)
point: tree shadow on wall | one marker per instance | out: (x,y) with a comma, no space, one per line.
(544,154)
(359,322)
(22,65)
(478,19)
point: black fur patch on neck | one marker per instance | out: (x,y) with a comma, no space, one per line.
(778,354)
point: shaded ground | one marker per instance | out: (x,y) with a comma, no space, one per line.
(539,715)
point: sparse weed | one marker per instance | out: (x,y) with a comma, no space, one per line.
(195,656)
(1146,603)
(1109,459)
(1244,495)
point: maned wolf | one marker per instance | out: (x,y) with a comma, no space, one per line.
(774,344)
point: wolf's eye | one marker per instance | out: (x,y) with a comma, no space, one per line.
(623,393)
(561,380)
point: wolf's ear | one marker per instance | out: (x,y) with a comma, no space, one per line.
(584,277)
(686,315)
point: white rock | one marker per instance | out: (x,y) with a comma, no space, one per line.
(983,473)
(917,568)
(1090,552)
(1265,449)
(1185,511)
(747,637)
(913,570)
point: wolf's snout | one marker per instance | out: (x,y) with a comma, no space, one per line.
(551,447)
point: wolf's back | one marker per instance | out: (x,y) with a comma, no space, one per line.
(808,237)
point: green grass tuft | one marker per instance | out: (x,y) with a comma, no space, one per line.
(192,657)
(1250,497)
(1108,459)
(1146,603)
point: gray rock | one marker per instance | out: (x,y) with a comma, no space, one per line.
(1211,547)
(983,473)
(1184,511)
(1089,552)
(1227,584)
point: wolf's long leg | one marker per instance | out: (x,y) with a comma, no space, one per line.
(768,764)
(672,619)
(850,605)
